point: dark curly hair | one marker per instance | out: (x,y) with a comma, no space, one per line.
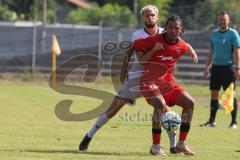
(176,19)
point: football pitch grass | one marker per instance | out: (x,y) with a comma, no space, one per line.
(30,130)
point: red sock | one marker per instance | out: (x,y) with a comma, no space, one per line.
(156,138)
(183,136)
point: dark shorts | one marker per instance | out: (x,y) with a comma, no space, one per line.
(221,76)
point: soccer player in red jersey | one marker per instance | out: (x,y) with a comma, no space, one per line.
(158,55)
(149,16)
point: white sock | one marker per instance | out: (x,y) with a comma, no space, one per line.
(102,119)
(172,138)
(156,145)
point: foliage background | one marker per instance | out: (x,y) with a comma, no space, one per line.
(197,14)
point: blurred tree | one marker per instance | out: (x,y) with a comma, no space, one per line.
(21,8)
(5,13)
(84,16)
(128,3)
(196,14)
(187,10)
(231,6)
(163,7)
(201,14)
(37,10)
(110,14)
(27,9)
(115,15)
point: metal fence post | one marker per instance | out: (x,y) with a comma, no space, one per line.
(100,42)
(34,47)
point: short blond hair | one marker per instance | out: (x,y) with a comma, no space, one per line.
(152,7)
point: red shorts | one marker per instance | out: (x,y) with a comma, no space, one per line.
(169,91)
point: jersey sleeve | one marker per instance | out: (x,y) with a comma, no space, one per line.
(236,40)
(144,44)
(185,46)
(134,37)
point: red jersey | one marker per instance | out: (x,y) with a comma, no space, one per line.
(161,64)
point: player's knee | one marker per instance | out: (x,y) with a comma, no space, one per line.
(191,103)
(115,107)
(157,104)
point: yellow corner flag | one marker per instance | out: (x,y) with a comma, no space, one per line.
(55,46)
(226,99)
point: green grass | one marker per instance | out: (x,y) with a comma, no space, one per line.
(30,130)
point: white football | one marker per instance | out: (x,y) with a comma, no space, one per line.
(170,121)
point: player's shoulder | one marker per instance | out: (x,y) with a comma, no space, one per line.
(142,39)
(138,34)
(230,30)
(141,33)
(180,40)
(215,32)
(183,43)
(233,31)
(146,38)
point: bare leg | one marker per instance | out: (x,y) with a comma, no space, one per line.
(113,109)
(187,103)
(160,107)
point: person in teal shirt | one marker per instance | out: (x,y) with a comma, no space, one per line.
(224,61)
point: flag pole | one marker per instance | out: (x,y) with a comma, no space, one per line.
(54,62)
(56,51)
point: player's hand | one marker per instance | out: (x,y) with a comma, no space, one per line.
(237,73)
(195,58)
(158,46)
(206,71)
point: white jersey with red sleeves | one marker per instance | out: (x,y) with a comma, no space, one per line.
(161,60)
(136,70)
(130,90)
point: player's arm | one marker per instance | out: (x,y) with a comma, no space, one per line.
(192,53)
(144,57)
(124,70)
(208,62)
(237,62)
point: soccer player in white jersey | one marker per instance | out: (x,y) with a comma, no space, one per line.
(129,91)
